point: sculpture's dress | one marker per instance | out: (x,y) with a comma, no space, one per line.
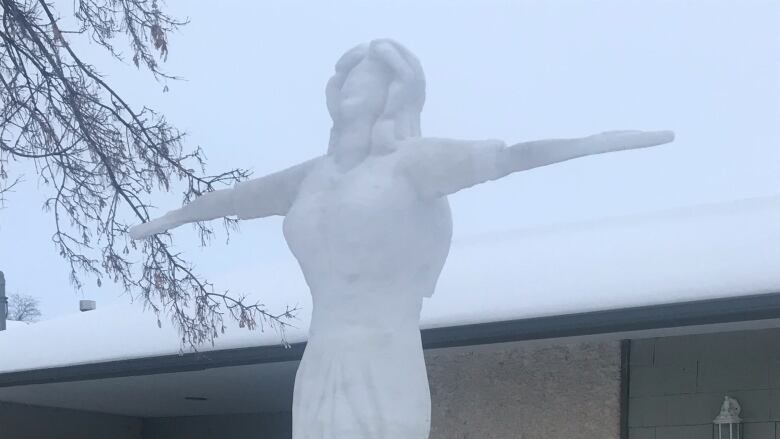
(370,249)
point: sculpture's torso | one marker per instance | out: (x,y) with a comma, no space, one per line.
(366,243)
(370,249)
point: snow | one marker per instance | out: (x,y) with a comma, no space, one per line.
(694,253)
(699,252)
(13,324)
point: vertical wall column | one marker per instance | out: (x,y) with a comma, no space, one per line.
(677,384)
(3,303)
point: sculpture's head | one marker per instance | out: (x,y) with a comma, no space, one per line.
(380,84)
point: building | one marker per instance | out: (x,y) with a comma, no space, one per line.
(633,327)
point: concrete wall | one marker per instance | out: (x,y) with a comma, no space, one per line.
(255,426)
(529,391)
(30,422)
(677,384)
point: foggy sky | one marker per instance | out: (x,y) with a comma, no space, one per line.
(513,70)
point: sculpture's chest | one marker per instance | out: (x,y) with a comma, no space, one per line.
(364,200)
(370,215)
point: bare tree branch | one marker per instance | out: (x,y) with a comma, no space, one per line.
(102,157)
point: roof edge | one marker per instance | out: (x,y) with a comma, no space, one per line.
(691,313)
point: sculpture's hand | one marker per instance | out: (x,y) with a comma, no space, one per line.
(155,226)
(627,139)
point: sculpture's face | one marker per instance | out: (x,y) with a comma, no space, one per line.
(364,92)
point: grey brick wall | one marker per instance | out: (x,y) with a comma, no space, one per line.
(677,384)
(542,390)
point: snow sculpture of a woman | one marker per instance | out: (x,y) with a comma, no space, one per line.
(370,226)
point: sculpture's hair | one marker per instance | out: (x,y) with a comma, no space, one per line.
(405,97)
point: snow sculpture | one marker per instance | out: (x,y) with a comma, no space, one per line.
(370,226)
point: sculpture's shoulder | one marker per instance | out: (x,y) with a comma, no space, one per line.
(424,155)
(299,174)
(416,145)
(434,150)
(304,169)
(438,167)
(272,194)
(411,152)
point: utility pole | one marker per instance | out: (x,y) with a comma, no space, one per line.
(3,303)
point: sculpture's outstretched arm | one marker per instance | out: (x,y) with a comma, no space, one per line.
(208,206)
(270,195)
(528,155)
(438,167)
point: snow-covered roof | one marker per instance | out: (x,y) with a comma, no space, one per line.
(697,253)
(13,324)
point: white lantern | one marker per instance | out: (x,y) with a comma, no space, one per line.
(728,424)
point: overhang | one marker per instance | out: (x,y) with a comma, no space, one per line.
(763,307)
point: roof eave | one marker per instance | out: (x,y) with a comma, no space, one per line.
(702,312)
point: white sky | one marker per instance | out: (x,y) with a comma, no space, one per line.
(514,70)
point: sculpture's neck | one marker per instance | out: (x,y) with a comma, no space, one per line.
(351,144)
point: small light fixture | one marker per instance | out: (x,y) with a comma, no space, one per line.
(196,398)
(87,305)
(728,424)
